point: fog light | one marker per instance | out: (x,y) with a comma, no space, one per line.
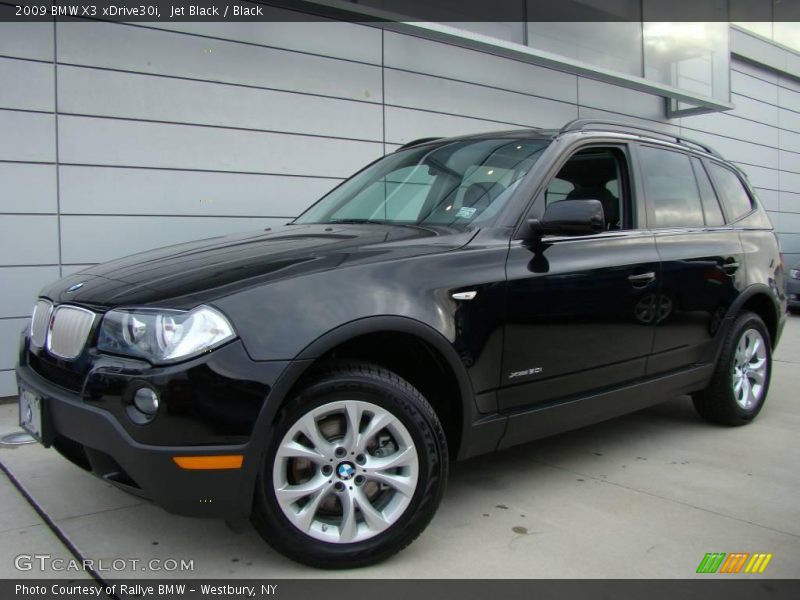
(146,400)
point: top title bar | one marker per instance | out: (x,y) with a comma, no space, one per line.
(448,11)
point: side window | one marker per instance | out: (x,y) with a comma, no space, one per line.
(714,216)
(558,189)
(734,196)
(592,174)
(671,188)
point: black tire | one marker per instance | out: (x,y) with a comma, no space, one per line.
(376,385)
(717,403)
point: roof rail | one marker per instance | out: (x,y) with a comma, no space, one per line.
(583,124)
(417,142)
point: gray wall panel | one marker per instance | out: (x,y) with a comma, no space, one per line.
(595,113)
(27,188)
(85,140)
(789,99)
(789,182)
(789,222)
(791,83)
(104,190)
(790,201)
(788,119)
(770,199)
(735,150)
(71,269)
(27,40)
(411,90)
(146,50)
(404,125)
(445,60)
(21,286)
(26,85)
(9,332)
(27,136)
(754,110)
(790,140)
(181,101)
(790,161)
(761,177)
(28,240)
(790,244)
(349,41)
(733,127)
(754,87)
(8,383)
(596,94)
(91,239)
(754,71)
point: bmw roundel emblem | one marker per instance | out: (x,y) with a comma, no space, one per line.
(345,471)
(76,287)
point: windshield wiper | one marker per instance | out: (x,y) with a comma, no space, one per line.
(354,221)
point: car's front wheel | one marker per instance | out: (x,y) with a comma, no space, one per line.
(741,378)
(355,469)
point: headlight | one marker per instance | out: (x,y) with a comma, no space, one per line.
(162,336)
(794,273)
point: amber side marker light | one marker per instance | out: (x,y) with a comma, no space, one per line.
(227,461)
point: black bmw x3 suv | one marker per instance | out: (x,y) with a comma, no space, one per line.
(453,298)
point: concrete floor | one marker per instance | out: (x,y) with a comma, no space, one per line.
(645,495)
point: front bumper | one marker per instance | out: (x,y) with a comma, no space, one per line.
(92,430)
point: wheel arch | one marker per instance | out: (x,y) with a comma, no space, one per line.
(759,299)
(455,394)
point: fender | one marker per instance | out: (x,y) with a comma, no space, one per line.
(256,448)
(736,307)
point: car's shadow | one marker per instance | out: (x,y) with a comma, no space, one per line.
(668,421)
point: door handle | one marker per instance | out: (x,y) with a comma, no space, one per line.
(642,279)
(730,267)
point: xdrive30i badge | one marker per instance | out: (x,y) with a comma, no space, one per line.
(532,371)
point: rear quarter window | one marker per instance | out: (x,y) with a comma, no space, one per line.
(671,188)
(731,191)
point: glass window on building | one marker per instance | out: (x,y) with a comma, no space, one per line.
(614,46)
(689,56)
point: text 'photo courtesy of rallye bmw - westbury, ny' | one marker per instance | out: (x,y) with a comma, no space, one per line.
(145,590)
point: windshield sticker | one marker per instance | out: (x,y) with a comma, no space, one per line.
(466,212)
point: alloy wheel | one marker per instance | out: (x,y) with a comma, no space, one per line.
(345,471)
(750,366)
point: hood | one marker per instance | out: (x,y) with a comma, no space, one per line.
(185,275)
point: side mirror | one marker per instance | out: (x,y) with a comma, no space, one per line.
(568,217)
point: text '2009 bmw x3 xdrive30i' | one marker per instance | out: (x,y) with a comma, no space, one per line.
(454,297)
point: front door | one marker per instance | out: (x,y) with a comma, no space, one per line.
(581,310)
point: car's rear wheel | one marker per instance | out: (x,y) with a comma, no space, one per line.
(355,469)
(741,379)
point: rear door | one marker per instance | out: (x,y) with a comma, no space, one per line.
(580,309)
(701,258)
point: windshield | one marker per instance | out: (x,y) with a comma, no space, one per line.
(455,184)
